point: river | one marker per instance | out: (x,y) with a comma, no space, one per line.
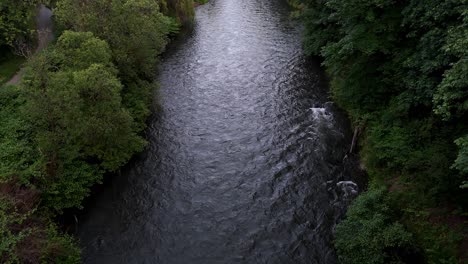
(246,155)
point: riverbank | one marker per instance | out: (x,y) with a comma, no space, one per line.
(59,135)
(410,107)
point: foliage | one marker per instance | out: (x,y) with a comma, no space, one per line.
(370,234)
(16,150)
(28,237)
(60,248)
(461,163)
(137,33)
(10,239)
(16,20)
(201,2)
(76,116)
(80,125)
(400,68)
(437,241)
(182,10)
(128,26)
(451,96)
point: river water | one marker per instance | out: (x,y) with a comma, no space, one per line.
(245,152)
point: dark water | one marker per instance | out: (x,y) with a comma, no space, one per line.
(244,152)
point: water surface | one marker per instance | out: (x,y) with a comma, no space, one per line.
(244,155)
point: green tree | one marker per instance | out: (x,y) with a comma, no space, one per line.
(182,10)
(16,20)
(461,162)
(399,68)
(17,153)
(370,235)
(135,29)
(27,236)
(451,97)
(81,127)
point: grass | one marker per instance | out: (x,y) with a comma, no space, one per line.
(10,64)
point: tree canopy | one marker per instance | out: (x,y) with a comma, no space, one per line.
(399,68)
(16,20)
(78,113)
(128,27)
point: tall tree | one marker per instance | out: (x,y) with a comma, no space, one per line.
(81,127)
(136,31)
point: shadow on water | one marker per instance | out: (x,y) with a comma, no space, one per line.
(246,161)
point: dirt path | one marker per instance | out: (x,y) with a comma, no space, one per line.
(44,35)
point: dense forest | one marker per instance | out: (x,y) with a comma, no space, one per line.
(59,135)
(400,68)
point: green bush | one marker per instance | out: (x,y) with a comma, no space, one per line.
(399,69)
(135,30)
(16,20)
(77,115)
(11,238)
(182,10)
(27,235)
(17,153)
(81,130)
(438,242)
(370,234)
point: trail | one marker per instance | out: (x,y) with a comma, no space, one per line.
(45,35)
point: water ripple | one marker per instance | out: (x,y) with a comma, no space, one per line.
(244,154)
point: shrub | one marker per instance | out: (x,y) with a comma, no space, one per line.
(370,234)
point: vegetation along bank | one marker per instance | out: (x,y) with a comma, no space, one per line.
(59,135)
(398,67)
(400,70)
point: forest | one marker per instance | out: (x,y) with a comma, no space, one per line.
(399,68)
(59,136)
